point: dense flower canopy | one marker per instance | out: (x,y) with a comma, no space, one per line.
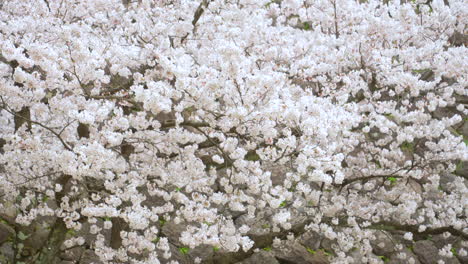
(127,119)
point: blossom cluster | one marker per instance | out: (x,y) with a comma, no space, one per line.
(137,117)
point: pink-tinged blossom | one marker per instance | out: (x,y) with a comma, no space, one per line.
(342,116)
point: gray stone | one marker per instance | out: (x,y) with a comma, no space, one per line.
(440,241)
(452,260)
(89,257)
(178,256)
(258,225)
(6,252)
(409,255)
(173,230)
(383,245)
(278,172)
(428,253)
(261,227)
(6,232)
(39,230)
(461,259)
(446,181)
(72,254)
(90,238)
(461,244)
(310,240)
(326,244)
(358,257)
(38,234)
(462,169)
(261,257)
(8,211)
(204,252)
(464,128)
(296,253)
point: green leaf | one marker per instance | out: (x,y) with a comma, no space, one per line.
(252,156)
(377,163)
(311,251)
(184,250)
(190,109)
(406,146)
(326,253)
(156,240)
(384,258)
(410,248)
(19,198)
(22,236)
(306,26)
(267,249)
(282,204)
(392,180)
(459,167)
(71,232)
(293,187)
(454,251)
(215,248)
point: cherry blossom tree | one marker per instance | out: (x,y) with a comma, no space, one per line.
(125,121)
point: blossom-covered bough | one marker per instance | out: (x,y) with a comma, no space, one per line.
(157,131)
